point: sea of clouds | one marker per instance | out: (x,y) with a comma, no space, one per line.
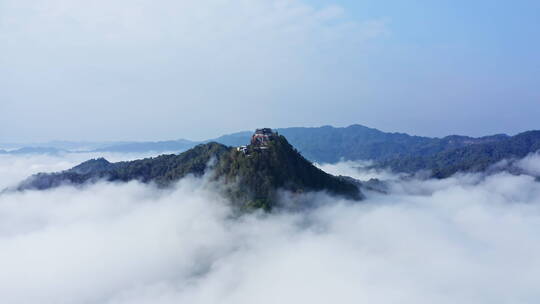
(466,239)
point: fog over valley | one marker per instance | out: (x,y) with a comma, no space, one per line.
(471,238)
(269,151)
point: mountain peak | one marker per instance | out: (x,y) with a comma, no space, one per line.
(93,165)
(270,164)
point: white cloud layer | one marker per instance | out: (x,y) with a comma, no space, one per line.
(530,164)
(467,239)
(358,169)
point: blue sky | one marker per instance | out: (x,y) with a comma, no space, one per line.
(150,70)
(493,47)
(482,23)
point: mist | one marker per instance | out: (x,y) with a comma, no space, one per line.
(470,238)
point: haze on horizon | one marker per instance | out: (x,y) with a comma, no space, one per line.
(153,70)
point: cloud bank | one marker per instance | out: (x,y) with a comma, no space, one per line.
(359,170)
(466,239)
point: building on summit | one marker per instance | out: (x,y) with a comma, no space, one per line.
(262,137)
(259,140)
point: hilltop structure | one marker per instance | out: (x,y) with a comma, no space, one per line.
(260,140)
(262,137)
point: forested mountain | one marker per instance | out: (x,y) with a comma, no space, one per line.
(470,158)
(161,170)
(325,144)
(259,173)
(329,144)
(399,151)
(253,177)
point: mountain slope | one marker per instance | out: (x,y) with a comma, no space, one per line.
(161,170)
(260,173)
(253,178)
(471,158)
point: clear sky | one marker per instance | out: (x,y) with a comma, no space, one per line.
(164,69)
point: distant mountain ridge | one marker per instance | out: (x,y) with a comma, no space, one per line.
(441,157)
(324,144)
(470,158)
(356,142)
(398,151)
(157,146)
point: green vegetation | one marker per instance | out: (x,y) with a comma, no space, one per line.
(471,158)
(323,144)
(161,170)
(252,179)
(258,174)
(329,145)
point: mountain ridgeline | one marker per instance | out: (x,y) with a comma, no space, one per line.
(252,175)
(400,152)
(320,144)
(441,157)
(471,158)
(356,142)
